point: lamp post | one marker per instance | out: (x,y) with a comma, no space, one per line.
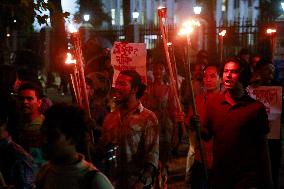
(272,34)
(197,10)
(135,16)
(221,38)
(86,17)
(86,27)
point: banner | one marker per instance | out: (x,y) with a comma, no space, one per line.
(129,56)
(271,97)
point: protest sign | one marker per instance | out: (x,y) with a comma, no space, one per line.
(129,56)
(271,97)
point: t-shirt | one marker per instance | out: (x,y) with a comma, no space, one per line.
(71,176)
(238,133)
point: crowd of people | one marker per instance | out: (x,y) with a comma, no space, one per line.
(134,129)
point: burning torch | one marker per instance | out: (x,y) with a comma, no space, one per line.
(272,34)
(78,78)
(221,37)
(186,29)
(162,14)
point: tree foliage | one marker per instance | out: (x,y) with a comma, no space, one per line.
(95,9)
(20,14)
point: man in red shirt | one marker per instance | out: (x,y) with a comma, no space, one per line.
(238,125)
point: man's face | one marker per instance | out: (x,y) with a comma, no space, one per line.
(90,91)
(29,101)
(211,78)
(197,73)
(245,57)
(267,73)
(231,75)
(255,59)
(158,71)
(123,89)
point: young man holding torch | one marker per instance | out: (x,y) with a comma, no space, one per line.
(239,125)
(194,167)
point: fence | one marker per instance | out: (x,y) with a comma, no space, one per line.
(239,34)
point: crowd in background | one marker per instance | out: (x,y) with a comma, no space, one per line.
(135,129)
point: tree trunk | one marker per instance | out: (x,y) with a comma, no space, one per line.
(212,46)
(128,30)
(58,36)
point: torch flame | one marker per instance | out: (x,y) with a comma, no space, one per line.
(162,12)
(161,7)
(223,33)
(270,31)
(187,27)
(72,28)
(69,59)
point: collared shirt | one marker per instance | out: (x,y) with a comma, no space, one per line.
(136,135)
(238,132)
(16,165)
(30,138)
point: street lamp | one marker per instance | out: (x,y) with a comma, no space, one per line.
(135,15)
(86,17)
(197,10)
(221,37)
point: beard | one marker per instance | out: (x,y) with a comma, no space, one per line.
(120,101)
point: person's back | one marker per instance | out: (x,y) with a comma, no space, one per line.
(71,176)
(65,131)
(16,165)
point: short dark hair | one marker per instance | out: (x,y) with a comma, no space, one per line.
(244,51)
(32,86)
(213,65)
(244,70)
(70,120)
(136,81)
(263,62)
(89,82)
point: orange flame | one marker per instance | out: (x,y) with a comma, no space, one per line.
(270,31)
(223,33)
(69,59)
(187,27)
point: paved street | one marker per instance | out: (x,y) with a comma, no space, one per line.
(177,169)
